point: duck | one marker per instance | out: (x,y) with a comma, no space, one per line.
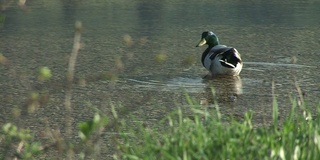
(219,59)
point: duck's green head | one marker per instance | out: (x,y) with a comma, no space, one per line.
(208,38)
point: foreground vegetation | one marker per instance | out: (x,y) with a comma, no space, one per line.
(205,134)
(209,136)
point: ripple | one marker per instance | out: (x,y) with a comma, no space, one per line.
(190,85)
(279,64)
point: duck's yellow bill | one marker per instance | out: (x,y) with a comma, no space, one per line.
(201,43)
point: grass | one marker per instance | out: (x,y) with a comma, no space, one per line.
(206,136)
(202,134)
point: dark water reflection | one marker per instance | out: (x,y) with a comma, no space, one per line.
(278,40)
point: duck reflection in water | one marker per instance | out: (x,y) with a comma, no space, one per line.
(224,89)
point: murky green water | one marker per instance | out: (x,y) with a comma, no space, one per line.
(279,42)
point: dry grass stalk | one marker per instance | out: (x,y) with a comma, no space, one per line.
(70,78)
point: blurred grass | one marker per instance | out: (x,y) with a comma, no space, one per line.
(206,136)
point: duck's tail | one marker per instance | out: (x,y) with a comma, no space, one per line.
(230,58)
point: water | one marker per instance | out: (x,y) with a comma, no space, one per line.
(279,43)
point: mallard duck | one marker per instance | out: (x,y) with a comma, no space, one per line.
(219,59)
